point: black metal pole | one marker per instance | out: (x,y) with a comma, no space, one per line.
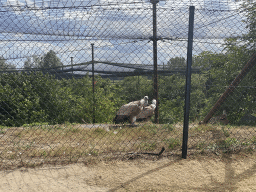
(188,82)
(72,64)
(93,85)
(154,2)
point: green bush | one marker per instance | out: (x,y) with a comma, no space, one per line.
(37,97)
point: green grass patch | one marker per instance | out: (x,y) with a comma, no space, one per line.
(71,142)
(147,146)
(173,143)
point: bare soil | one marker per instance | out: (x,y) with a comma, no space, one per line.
(226,172)
(113,158)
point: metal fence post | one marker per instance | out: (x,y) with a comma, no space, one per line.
(93,84)
(154,2)
(72,64)
(188,82)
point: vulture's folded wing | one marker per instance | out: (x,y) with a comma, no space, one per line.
(127,109)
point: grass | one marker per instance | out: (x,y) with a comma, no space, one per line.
(225,131)
(2,129)
(37,144)
(144,146)
(172,143)
(254,140)
(201,145)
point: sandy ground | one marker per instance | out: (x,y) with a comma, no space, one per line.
(201,173)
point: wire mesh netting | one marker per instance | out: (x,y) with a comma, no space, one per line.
(74,76)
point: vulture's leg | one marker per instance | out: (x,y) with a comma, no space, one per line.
(133,119)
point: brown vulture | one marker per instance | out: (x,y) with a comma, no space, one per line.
(128,112)
(147,112)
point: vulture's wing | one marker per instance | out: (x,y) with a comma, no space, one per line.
(146,112)
(127,109)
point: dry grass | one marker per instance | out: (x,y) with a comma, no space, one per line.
(34,145)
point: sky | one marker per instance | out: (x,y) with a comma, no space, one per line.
(119,29)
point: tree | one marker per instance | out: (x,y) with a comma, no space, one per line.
(2,63)
(250,38)
(34,62)
(177,63)
(50,60)
(246,42)
(5,66)
(28,63)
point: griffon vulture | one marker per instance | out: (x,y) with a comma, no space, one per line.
(147,112)
(128,112)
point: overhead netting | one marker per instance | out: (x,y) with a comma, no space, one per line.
(67,67)
(120,30)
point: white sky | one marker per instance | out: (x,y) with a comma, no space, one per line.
(119,29)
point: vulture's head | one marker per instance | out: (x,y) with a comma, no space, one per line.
(153,105)
(144,101)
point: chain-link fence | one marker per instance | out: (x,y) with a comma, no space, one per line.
(69,69)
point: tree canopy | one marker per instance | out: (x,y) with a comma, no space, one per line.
(4,65)
(47,61)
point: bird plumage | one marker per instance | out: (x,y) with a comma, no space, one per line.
(147,112)
(128,112)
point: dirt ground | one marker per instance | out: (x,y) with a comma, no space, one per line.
(228,172)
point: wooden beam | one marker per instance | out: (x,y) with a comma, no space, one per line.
(249,65)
